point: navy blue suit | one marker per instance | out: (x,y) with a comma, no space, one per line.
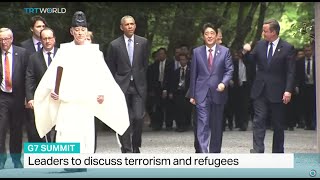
(271,81)
(210,102)
(12,105)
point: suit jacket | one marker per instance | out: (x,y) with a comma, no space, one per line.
(35,70)
(120,66)
(168,72)
(175,80)
(201,79)
(235,76)
(277,76)
(20,59)
(301,72)
(29,46)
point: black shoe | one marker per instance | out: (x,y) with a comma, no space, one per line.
(181,129)
(253,151)
(71,170)
(309,128)
(156,129)
(1,165)
(136,150)
(169,128)
(17,164)
(290,129)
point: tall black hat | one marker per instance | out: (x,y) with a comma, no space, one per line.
(79,19)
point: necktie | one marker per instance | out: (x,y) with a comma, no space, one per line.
(270,52)
(241,74)
(182,74)
(308,66)
(130,50)
(161,72)
(39,46)
(7,73)
(210,59)
(49,58)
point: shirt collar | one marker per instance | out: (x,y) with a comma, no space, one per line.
(126,38)
(9,51)
(275,42)
(213,48)
(46,52)
(35,41)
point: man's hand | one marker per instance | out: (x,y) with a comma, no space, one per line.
(221,87)
(286,97)
(30,104)
(54,95)
(100,99)
(192,101)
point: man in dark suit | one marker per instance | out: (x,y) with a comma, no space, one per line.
(273,85)
(37,66)
(12,95)
(128,60)
(178,86)
(241,83)
(306,76)
(211,71)
(162,71)
(32,45)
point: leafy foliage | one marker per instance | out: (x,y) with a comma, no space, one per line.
(168,24)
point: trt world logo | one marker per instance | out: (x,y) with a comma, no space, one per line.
(45,10)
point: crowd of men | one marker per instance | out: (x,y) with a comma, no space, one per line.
(204,89)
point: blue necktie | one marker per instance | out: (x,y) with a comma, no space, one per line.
(49,58)
(39,46)
(270,52)
(130,50)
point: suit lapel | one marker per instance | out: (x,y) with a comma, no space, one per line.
(204,58)
(277,51)
(216,57)
(42,60)
(55,51)
(265,51)
(1,75)
(123,48)
(15,57)
(135,47)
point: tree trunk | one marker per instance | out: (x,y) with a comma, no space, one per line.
(243,26)
(183,29)
(262,14)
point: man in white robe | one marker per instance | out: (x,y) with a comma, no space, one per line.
(87,89)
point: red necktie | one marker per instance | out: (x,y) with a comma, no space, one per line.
(7,73)
(210,59)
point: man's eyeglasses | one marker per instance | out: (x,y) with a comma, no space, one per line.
(5,39)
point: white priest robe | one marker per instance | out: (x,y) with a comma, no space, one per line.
(85,76)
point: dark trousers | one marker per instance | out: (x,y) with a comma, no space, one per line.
(262,106)
(293,112)
(11,115)
(241,102)
(183,110)
(194,123)
(163,112)
(131,139)
(309,106)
